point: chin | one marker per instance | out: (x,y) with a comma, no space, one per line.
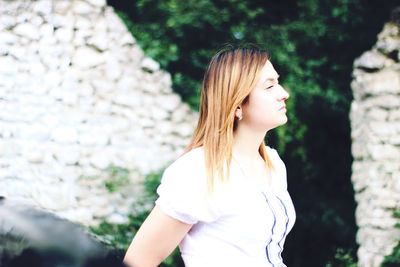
(283,122)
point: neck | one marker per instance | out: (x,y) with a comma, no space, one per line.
(246,143)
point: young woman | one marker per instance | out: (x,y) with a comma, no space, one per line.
(225,200)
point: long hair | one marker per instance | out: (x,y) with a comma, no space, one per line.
(230,77)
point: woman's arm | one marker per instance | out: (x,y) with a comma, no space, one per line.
(158,236)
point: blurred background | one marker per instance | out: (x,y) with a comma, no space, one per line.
(312,44)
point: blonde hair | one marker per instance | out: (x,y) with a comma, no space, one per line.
(230,77)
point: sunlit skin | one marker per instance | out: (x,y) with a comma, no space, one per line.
(158,236)
(265,109)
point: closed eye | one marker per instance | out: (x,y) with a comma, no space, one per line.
(271,84)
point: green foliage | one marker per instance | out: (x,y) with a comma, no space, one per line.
(312,44)
(393,259)
(343,258)
(151,183)
(119,236)
(117,177)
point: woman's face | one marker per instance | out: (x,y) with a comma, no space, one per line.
(265,108)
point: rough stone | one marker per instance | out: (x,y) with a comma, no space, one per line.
(10,148)
(79,95)
(385,129)
(98,3)
(46,30)
(375,127)
(7,38)
(159,114)
(8,66)
(169,102)
(7,21)
(58,20)
(35,157)
(388,39)
(127,84)
(36,21)
(64,135)
(86,58)
(24,16)
(100,161)
(387,102)
(149,64)
(27,30)
(61,6)
(18,52)
(81,8)
(112,70)
(45,196)
(68,155)
(384,82)
(117,219)
(378,114)
(127,39)
(42,7)
(384,152)
(82,23)
(370,60)
(64,35)
(99,41)
(394,115)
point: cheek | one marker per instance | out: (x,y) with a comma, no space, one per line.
(258,110)
(261,102)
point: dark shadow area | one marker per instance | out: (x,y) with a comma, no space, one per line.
(33,237)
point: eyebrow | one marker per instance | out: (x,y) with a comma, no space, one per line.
(271,79)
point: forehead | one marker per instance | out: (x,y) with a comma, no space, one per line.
(268,72)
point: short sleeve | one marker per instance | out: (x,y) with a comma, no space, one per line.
(280,177)
(182,191)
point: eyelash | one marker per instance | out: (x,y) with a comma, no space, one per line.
(270,87)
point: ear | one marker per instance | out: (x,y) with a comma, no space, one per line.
(238,113)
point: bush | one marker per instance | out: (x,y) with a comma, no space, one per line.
(117,177)
(343,259)
(393,259)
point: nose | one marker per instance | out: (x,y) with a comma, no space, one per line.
(283,95)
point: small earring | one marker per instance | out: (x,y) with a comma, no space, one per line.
(238,113)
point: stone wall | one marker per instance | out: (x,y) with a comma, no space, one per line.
(78,95)
(375,123)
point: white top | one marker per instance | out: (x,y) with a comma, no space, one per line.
(239,224)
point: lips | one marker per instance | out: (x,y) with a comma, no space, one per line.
(283,108)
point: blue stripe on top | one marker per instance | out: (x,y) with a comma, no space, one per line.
(286,227)
(279,243)
(272,230)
